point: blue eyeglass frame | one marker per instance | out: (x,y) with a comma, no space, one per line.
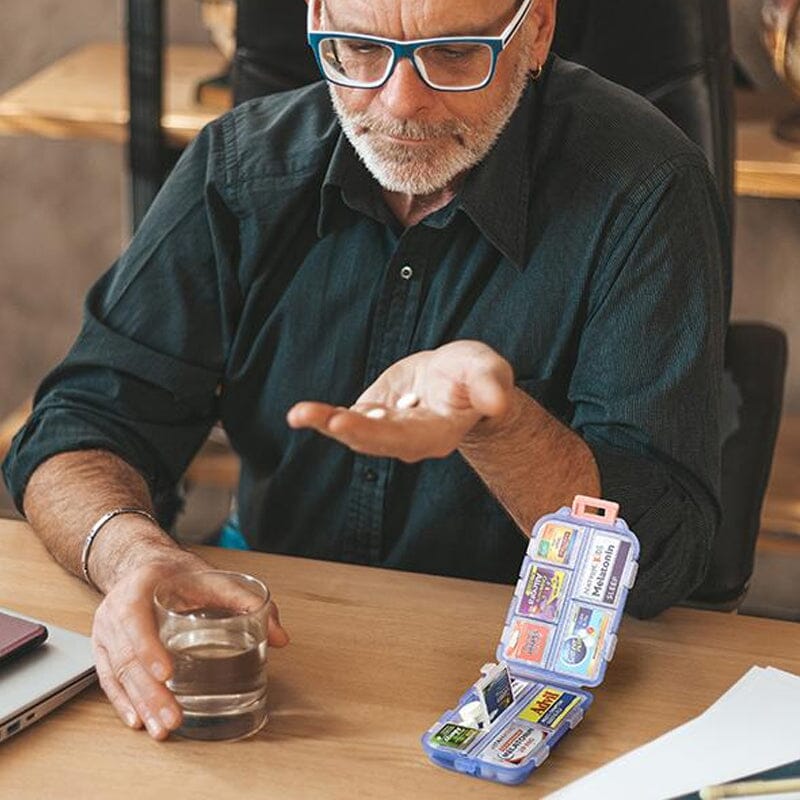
(406,49)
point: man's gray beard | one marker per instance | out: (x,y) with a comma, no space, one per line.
(425,169)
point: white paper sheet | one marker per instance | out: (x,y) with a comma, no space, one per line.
(754,726)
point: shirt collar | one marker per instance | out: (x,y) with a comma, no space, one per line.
(349,187)
(495,195)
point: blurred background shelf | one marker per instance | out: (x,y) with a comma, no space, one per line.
(766,166)
(84,95)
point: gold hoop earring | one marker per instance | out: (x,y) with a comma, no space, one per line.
(536,73)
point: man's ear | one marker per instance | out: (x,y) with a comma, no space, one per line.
(317,11)
(544,21)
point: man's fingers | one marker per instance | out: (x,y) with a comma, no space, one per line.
(138,627)
(490,386)
(130,661)
(409,435)
(311,415)
(218,589)
(342,424)
(133,691)
(153,702)
(212,589)
(276,633)
(114,691)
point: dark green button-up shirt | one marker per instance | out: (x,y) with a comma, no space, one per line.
(587,249)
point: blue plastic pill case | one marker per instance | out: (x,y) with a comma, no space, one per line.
(559,634)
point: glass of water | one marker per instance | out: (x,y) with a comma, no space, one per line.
(214,625)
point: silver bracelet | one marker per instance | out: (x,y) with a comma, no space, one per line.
(97,527)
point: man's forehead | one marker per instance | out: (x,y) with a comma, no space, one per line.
(416,18)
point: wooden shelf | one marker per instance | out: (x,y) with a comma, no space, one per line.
(765,165)
(84,95)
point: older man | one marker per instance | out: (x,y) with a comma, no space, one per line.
(501,273)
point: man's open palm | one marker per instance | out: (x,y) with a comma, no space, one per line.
(421,407)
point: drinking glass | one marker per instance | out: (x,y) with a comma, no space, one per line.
(214,625)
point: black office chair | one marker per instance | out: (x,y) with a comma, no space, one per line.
(755,360)
(271,50)
(677,53)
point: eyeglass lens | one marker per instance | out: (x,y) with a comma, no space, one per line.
(454,65)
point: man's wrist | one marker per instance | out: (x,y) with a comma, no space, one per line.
(130,543)
(97,528)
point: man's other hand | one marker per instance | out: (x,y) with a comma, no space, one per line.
(421,407)
(132,663)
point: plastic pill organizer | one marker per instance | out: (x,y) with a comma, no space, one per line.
(560,633)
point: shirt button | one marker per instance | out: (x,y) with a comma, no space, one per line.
(406,273)
(370,475)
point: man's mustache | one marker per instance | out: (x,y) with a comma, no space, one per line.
(407,129)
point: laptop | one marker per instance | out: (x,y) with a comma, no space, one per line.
(34,683)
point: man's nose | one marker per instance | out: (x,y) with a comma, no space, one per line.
(405,94)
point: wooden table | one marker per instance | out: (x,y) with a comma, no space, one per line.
(376,656)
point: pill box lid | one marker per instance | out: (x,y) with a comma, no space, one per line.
(561,625)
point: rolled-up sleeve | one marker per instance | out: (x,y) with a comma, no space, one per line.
(143,377)
(646,388)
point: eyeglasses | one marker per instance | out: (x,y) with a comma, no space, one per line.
(448,64)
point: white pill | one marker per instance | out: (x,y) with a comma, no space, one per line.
(408,400)
(472,714)
(376,413)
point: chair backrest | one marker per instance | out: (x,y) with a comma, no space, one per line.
(755,361)
(271,50)
(676,53)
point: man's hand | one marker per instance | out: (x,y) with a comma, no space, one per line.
(421,407)
(132,663)
(65,495)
